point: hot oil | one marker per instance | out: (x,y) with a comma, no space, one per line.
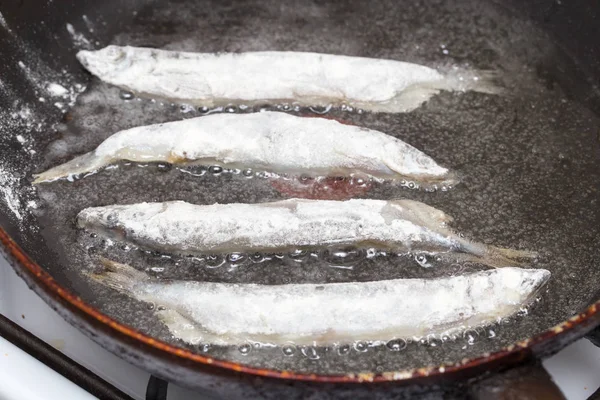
(528,159)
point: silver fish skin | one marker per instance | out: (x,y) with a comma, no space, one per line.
(307,79)
(271,141)
(306,314)
(188,229)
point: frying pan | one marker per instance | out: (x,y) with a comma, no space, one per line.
(529,158)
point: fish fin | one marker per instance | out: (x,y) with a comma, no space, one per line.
(438,176)
(120,277)
(424,212)
(85,163)
(426,182)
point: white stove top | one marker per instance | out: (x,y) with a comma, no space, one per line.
(576,369)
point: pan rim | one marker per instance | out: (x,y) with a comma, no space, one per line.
(516,352)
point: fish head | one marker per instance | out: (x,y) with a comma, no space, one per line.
(103,220)
(528,281)
(106,62)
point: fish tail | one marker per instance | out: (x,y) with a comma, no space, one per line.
(462,80)
(497,257)
(482,81)
(85,163)
(444,182)
(120,277)
(451,178)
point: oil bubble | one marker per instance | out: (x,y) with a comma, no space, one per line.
(298,255)
(125,95)
(236,258)
(320,109)
(247,172)
(203,110)
(422,260)
(396,344)
(204,347)
(371,252)
(215,169)
(186,108)
(288,350)
(342,256)
(471,336)
(359,182)
(245,348)
(163,167)
(214,261)
(361,346)
(150,306)
(344,349)
(447,338)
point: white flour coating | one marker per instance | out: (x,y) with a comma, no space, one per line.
(273,141)
(230,314)
(183,228)
(78,38)
(47,82)
(4,24)
(88,23)
(56,89)
(20,119)
(8,187)
(309,79)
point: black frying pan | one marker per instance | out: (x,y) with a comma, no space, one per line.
(529,159)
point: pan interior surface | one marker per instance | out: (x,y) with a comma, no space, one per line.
(528,158)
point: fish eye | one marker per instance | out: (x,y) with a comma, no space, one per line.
(114,53)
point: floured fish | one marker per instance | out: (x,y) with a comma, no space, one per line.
(188,229)
(230,314)
(308,79)
(271,141)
